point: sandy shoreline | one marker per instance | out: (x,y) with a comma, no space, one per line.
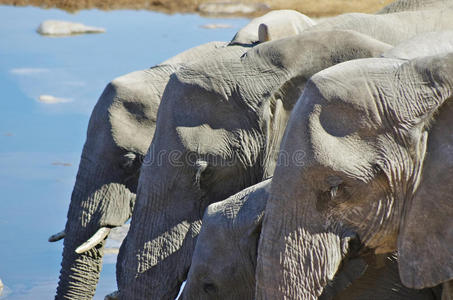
(313,8)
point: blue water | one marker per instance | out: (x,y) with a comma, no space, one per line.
(37,139)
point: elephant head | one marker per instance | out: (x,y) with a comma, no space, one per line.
(378,161)
(218,130)
(224,261)
(119,133)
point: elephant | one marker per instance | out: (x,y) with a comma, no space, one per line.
(412,5)
(390,28)
(271,26)
(119,133)
(377,165)
(224,261)
(425,44)
(218,130)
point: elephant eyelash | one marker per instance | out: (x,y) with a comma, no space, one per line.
(201,167)
(334,191)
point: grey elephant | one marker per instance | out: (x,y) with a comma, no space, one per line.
(224,261)
(426,44)
(271,26)
(391,28)
(218,131)
(376,134)
(412,5)
(119,133)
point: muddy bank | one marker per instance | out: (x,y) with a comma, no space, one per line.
(314,8)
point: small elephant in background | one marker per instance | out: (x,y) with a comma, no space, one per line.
(391,28)
(274,25)
(120,130)
(425,44)
(413,5)
(224,261)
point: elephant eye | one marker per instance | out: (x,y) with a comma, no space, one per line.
(127,160)
(209,288)
(339,193)
(335,195)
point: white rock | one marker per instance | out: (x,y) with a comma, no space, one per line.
(228,8)
(1,287)
(64,28)
(215,26)
(48,99)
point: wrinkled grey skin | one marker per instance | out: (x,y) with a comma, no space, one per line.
(411,5)
(218,131)
(119,133)
(378,162)
(431,43)
(391,28)
(224,261)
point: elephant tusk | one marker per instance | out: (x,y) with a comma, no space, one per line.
(57,236)
(113,296)
(98,237)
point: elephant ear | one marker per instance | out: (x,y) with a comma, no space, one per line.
(248,221)
(425,241)
(133,113)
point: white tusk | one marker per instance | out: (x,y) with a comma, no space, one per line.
(57,236)
(113,296)
(98,237)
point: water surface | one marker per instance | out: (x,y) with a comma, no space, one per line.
(40,144)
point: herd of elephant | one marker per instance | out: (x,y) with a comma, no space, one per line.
(301,160)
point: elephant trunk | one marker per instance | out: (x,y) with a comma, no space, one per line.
(79,273)
(297,258)
(154,259)
(91,208)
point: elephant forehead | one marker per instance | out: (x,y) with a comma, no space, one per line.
(340,113)
(204,140)
(349,97)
